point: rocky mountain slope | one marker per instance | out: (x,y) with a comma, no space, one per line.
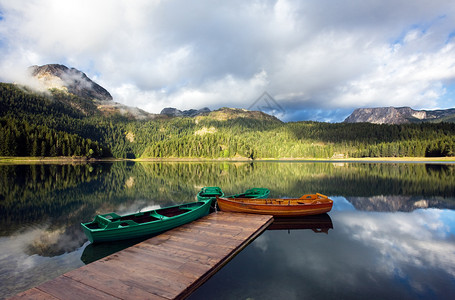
(399,115)
(73,87)
(54,76)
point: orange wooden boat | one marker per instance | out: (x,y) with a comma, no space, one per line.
(306,205)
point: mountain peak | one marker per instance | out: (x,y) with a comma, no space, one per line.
(71,80)
(398,115)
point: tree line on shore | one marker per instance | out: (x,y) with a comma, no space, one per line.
(42,125)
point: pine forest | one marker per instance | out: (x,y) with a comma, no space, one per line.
(57,124)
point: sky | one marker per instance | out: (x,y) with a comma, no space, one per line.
(317,60)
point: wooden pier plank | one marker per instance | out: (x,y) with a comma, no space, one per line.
(64,287)
(34,294)
(146,278)
(110,283)
(168,266)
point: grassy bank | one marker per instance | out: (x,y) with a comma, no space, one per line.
(78,160)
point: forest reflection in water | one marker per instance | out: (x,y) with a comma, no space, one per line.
(41,207)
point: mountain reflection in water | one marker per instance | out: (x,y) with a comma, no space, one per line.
(399,203)
(388,223)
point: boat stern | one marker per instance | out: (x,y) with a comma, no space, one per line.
(87,231)
(90,228)
(209,193)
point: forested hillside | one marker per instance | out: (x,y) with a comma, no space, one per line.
(62,125)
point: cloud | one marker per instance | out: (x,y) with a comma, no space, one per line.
(409,253)
(414,248)
(405,247)
(227,91)
(308,55)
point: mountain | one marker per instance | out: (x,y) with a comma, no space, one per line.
(400,115)
(75,118)
(74,88)
(174,112)
(54,76)
(222,114)
(226,113)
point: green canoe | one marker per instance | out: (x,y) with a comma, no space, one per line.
(209,193)
(254,193)
(113,227)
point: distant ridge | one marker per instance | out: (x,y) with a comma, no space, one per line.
(174,112)
(226,113)
(399,115)
(222,114)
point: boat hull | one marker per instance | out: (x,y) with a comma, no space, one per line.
(254,193)
(209,193)
(304,206)
(108,230)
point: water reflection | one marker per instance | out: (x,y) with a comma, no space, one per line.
(367,256)
(318,223)
(21,270)
(394,203)
(93,252)
(41,207)
(55,241)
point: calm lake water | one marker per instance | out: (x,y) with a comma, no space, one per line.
(390,235)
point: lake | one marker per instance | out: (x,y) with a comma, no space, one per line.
(390,234)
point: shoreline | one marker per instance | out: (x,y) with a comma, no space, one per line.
(83,160)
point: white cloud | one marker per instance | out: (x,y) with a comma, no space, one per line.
(371,247)
(308,54)
(227,91)
(415,233)
(402,79)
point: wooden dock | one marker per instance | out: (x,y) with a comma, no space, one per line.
(168,266)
